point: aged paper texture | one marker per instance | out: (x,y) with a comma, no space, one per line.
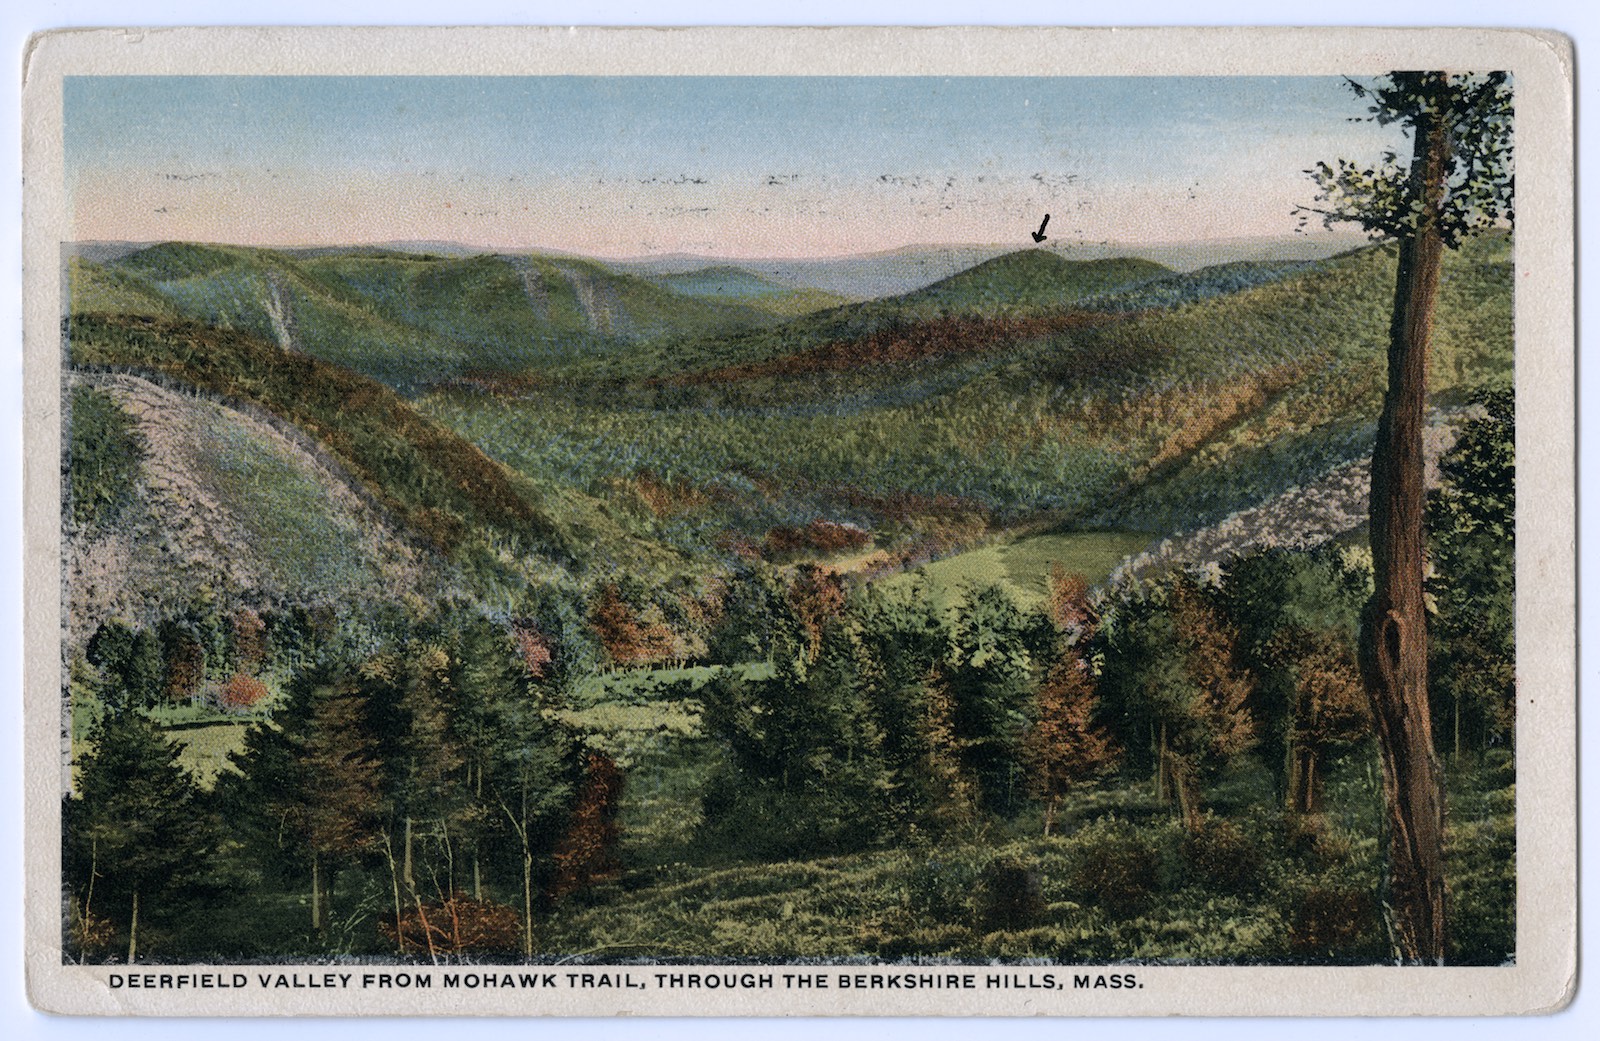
(830,521)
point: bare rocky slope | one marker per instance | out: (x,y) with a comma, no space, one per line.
(1331,506)
(233,505)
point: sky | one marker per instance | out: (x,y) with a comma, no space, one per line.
(728,166)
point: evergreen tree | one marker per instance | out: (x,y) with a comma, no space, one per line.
(1176,689)
(903,639)
(988,674)
(422,769)
(1297,615)
(803,769)
(1472,526)
(134,832)
(131,667)
(334,799)
(1212,724)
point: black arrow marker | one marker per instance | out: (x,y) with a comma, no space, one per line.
(1040,236)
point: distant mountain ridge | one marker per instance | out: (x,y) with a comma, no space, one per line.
(409,320)
(857,276)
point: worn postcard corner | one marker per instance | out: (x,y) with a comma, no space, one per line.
(752,522)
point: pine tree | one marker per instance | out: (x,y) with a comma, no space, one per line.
(988,674)
(423,765)
(1213,725)
(335,798)
(133,829)
(1472,528)
(1330,712)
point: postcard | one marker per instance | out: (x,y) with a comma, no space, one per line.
(1023,522)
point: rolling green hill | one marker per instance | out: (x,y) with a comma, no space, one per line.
(422,474)
(729,283)
(1111,394)
(1018,286)
(216,501)
(409,320)
(722,281)
(1150,420)
(723,609)
(1028,281)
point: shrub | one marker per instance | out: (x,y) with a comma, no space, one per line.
(456,925)
(1116,867)
(1010,896)
(88,934)
(1335,924)
(941,889)
(242,693)
(1309,837)
(820,536)
(1219,855)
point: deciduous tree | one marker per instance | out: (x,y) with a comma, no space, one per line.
(1457,182)
(1065,746)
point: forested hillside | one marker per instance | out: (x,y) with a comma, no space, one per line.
(506,607)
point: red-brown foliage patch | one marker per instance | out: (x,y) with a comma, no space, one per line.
(907,341)
(532,646)
(242,693)
(818,536)
(456,925)
(666,498)
(627,637)
(587,852)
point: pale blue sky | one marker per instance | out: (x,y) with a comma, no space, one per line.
(731,165)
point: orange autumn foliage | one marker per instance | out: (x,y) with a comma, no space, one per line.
(587,852)
(456,925)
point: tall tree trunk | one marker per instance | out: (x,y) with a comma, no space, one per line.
(1456,756)
(133,930)
(1291,775)
(405,860)
(477,870)
(1394,639)
(394,883)
(316,892)
(1163,776)
(87,918)
(527,901)
(427,928)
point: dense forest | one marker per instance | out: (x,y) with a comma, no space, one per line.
(511,608)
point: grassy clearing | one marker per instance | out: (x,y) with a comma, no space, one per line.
(1022,567)
(205,749)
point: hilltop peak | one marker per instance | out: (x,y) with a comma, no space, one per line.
(1029,279)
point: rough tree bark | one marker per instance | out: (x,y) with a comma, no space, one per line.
(1394,639)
